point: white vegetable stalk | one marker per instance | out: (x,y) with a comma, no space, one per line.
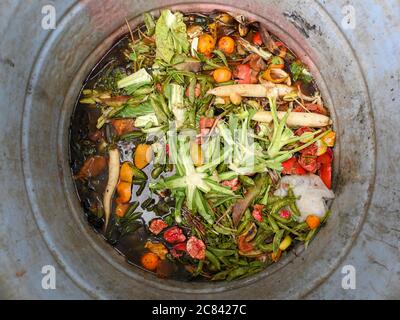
(295,119)
(267,89)
(113,174)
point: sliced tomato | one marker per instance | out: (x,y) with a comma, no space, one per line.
(308,162)
(174,235)
(157,225)
(196,248)
(292,166)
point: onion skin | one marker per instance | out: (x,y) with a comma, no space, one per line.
(113,175)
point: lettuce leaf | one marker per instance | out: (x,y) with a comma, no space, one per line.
(170,35)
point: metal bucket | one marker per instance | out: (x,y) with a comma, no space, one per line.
(42,222)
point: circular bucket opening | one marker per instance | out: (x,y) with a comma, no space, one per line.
(81,39)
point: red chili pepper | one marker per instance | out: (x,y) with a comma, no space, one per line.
(178,250)
(157,225)
(325,170)
(167,149)
(174,235)
(196,248)
(257,39)
(291,166)
(257,210)
(285,214)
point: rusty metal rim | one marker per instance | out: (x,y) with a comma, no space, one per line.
(42,225)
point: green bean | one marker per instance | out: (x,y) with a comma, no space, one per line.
(246,181)
(288,229)
(147,203)
(221,275)
(272,223)
(235,273)
(277,240)
(222,252)
(155,173)
(199,268)
(277,205)
(225,261)
(309,237)
(142,186)
(293,206)
(132,207)
(139,174)
(301,227)
(213,259)
(279,218)
(223,230)
(254,264)
(132,135)
(238,262)
(263,234)
(266,247)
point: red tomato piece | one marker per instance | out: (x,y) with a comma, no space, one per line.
(326,158)
(234,184)
(206,122)
(325,173)
(196,248)
(178,250)
(302,130)
(285,214)
(292,166)
(309,162)
(257,39)
(257,210)
(242,74)
(243,245)
(157,225)
(174,235)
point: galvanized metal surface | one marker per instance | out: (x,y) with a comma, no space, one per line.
(41,222)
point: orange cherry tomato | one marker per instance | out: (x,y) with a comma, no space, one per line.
(150,261)
(222,75)
(206,44)
(226,45)
(313,221)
